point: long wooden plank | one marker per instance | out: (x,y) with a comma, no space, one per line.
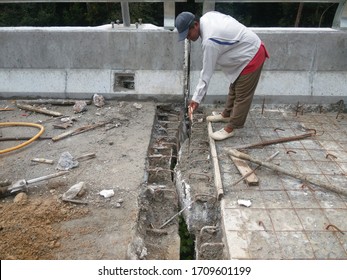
(217,176)
(243,167)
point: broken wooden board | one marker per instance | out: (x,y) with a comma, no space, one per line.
(243,167)
(38,110)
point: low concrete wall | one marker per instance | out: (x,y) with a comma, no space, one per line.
(77,62)
(307,65)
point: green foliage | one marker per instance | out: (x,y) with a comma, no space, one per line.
(187,250)
(94,14)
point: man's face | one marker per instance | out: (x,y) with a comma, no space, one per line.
(193,33)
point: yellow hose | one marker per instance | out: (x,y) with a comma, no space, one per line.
(42,129)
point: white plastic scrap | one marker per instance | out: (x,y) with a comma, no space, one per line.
(244,202)
(107,193)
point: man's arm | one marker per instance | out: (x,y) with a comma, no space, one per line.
(210,55)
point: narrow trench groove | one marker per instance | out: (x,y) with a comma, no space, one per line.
(173,205)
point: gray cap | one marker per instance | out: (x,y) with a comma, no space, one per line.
(183,22)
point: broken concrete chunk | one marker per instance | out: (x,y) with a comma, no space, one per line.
(20,198)
(74,191)
(80,106)
(98,100)
(137,106)
(107,193)
(66,162)
(244,202)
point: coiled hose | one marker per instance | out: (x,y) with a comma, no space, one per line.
(42,129)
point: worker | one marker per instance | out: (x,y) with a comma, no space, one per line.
(238,51)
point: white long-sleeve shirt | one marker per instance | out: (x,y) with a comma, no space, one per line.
(225,42)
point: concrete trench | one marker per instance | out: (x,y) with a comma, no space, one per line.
(179,182)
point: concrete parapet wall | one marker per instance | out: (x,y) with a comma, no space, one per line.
(78,62)
(146,62)
(307,64)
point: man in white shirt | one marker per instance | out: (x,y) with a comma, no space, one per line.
(240,54)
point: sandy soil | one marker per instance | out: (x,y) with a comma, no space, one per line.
(39,225)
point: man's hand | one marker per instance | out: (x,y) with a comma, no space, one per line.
(191,108)
(194,105)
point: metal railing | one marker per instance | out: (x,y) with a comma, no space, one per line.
(339,22)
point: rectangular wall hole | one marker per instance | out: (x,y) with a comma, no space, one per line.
(124,82)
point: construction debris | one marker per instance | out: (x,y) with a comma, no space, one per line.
(276,141)
(98,100)
(55,101)
(244,202)
(73,191)
(80,106)
(243,167)
(23,185)
(42,160)
(38,110)
(66,162)
(299,176)
(107,193)
(79,130)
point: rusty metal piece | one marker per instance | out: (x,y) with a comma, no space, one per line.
(156,170)
(208,244)
(278,128)
(201,174)
(330,155)
(200,196)
(341,104)
(335,227)
(208,228)
(260,223)
(166,137)
(165,190)
(162,156)
(168,115)
(263,106)
(298,107)
(169,143)
(174,122)
(204,149)
(199,160)
(290,151)
(276,141)
(307,186)
(310,129)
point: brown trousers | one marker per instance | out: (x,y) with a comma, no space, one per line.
(240,98)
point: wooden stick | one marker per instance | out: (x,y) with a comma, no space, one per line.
(55,101)
(74,201)
(78,131)
(299,176)
(252,171)
(7,109)
(217,179)
(38,110)
(42,160)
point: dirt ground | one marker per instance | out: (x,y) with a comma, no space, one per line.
(39,224)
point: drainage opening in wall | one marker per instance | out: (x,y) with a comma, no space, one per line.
(124,81)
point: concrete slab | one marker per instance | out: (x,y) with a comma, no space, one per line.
(288,219)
